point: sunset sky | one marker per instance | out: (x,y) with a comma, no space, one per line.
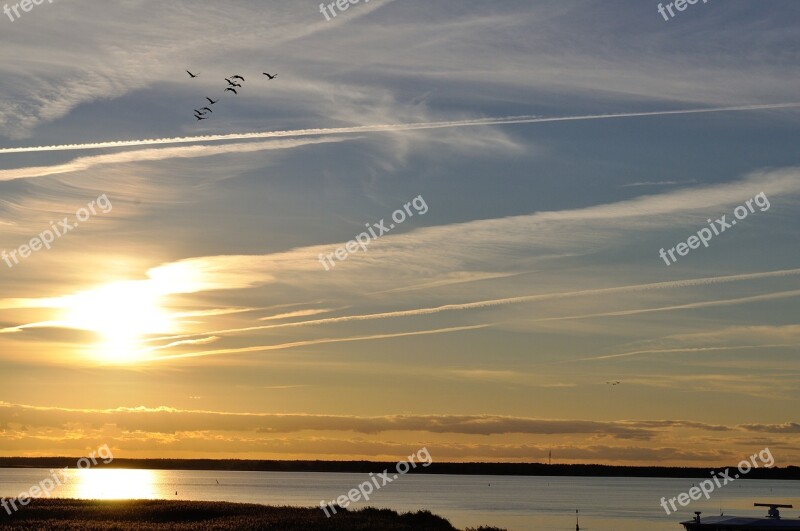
(193,318)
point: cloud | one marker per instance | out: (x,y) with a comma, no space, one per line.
(786,427)
(169,420)
(149,155)
(103,57)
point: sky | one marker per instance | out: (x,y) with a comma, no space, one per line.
(512,171)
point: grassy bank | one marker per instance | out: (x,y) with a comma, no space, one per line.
(147,515)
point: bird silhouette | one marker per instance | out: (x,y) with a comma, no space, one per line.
(269,76)
(237,77)
(615,382)
(210,101)
(192,75)
(201,117)
(232,90)
(231,83)
(207,109)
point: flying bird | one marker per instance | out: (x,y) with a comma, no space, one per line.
(200,113)
(231,83)
(210,101)
(615,382)
(207,109)
(192,75)
(232,90)
(269,76)
(201,117)
(237,77)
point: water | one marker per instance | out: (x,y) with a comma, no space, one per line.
(517,503)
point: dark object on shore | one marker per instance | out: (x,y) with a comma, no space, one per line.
(153,515)
(772,522)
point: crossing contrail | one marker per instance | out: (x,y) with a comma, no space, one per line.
(382,128)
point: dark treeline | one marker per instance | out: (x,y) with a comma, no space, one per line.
(491,469)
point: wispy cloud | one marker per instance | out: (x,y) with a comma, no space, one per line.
(149,155)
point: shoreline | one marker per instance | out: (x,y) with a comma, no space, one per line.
(178,515)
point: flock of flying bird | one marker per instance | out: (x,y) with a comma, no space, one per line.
(201,114)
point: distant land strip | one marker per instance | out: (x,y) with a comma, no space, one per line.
(475,469)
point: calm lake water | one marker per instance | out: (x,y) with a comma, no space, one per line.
(517,503)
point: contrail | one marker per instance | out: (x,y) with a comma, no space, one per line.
(676,350)
(322,341)
(500,302)
(689,306)
(383,128)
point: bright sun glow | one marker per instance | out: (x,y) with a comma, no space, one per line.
(121,313)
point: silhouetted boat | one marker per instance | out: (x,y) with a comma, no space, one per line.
(772,522)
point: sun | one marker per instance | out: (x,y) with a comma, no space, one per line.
(121,313)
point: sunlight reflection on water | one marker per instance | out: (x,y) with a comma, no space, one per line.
(112,484)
